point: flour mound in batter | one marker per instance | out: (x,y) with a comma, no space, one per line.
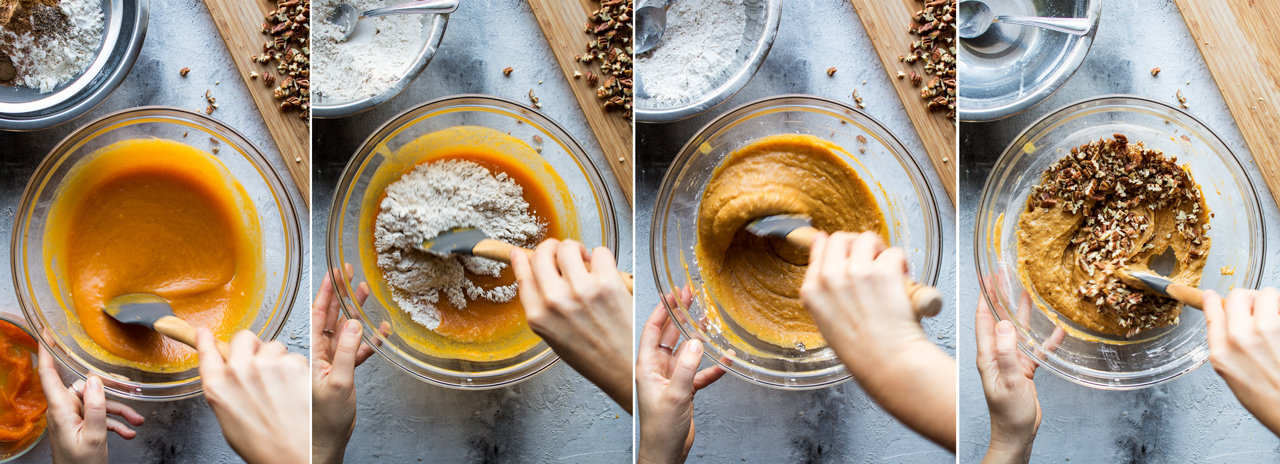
(757,280)
(434,198)
(1112,204)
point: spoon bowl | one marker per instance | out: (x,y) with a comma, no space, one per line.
(974,18)
(651,23)
(345,16)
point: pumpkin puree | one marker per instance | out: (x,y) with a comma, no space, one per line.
(22,401)
(159,217)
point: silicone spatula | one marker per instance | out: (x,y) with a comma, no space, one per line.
(153,312)
(799,231)
(472,241)
(1157,283)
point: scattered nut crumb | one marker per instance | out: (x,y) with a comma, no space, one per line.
(862,149)
(901,74)
(506,71)
(539,149)
(213,140)
(622,160)
(208,109)
(577,75)
(1188,139)
(1155,71)
(946,159)
(215,150)
(184,134)
(297,159)
(862,139)
(831,71)
(184,71)
(537,138)
(253,75)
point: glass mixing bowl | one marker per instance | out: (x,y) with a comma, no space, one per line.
(362,187)
(889,170)
(38,292)
(11,450)
(1086,357)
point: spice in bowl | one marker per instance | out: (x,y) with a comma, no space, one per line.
(47,43)
(697,51)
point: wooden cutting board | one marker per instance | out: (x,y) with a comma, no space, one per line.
(240,23)
(1240,40)
(562,22)
(886,23)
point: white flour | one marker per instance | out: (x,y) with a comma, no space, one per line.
(374,58)
(434,198)
(52,57)
(696,51)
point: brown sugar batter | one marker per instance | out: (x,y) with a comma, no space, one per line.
(757,280)
(159,217)
(1111,204)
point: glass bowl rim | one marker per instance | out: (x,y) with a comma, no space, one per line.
(291,226)
(924,194)
(1052,361)
(451,104)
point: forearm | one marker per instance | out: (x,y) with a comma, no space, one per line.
(916,384)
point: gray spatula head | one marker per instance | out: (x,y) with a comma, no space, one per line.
(460,240)
(778,225)
(138,308)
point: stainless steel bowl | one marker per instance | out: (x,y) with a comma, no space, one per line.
(124,30)
(762,26)
(1011,68)
(432,32)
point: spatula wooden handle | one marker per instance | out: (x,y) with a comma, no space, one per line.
(1187,294)
(925,300)
(181,330)
(501,251)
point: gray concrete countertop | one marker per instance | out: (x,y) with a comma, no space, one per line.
(1194,418)
(741,422)
(180,34)
(557,416)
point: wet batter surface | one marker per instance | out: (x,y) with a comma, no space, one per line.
(1112,204)
(159,217)
(757,280)
(22,400)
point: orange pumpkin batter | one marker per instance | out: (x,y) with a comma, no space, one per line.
(160,217)
(22,401)
(484,330)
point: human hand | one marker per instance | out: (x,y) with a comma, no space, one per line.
(78,422)
(1244,347)
(854,289)
(585,316)
(1007,380)
(259,395)
(336,352)
(666,383)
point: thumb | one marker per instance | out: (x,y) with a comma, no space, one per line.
(687,366)
(1007,351)
(344,358)
(211,363)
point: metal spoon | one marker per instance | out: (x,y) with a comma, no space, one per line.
(651,22)
(975,17)
(345,16)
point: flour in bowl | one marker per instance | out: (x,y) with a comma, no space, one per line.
(697,50)
(434,198)
(47,43)
(372,60)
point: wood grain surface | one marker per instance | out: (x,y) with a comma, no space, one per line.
(1240,41)
(240,23)
(886,23)
(562,22)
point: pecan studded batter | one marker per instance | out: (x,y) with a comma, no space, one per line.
(1111,204)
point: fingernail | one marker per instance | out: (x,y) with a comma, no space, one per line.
(1004,328)
(353,327)
(94,383)
(695,346)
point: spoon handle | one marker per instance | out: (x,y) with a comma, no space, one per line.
(1073,26)
(925,300)
(501,251)
(181,330)
(419,7)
